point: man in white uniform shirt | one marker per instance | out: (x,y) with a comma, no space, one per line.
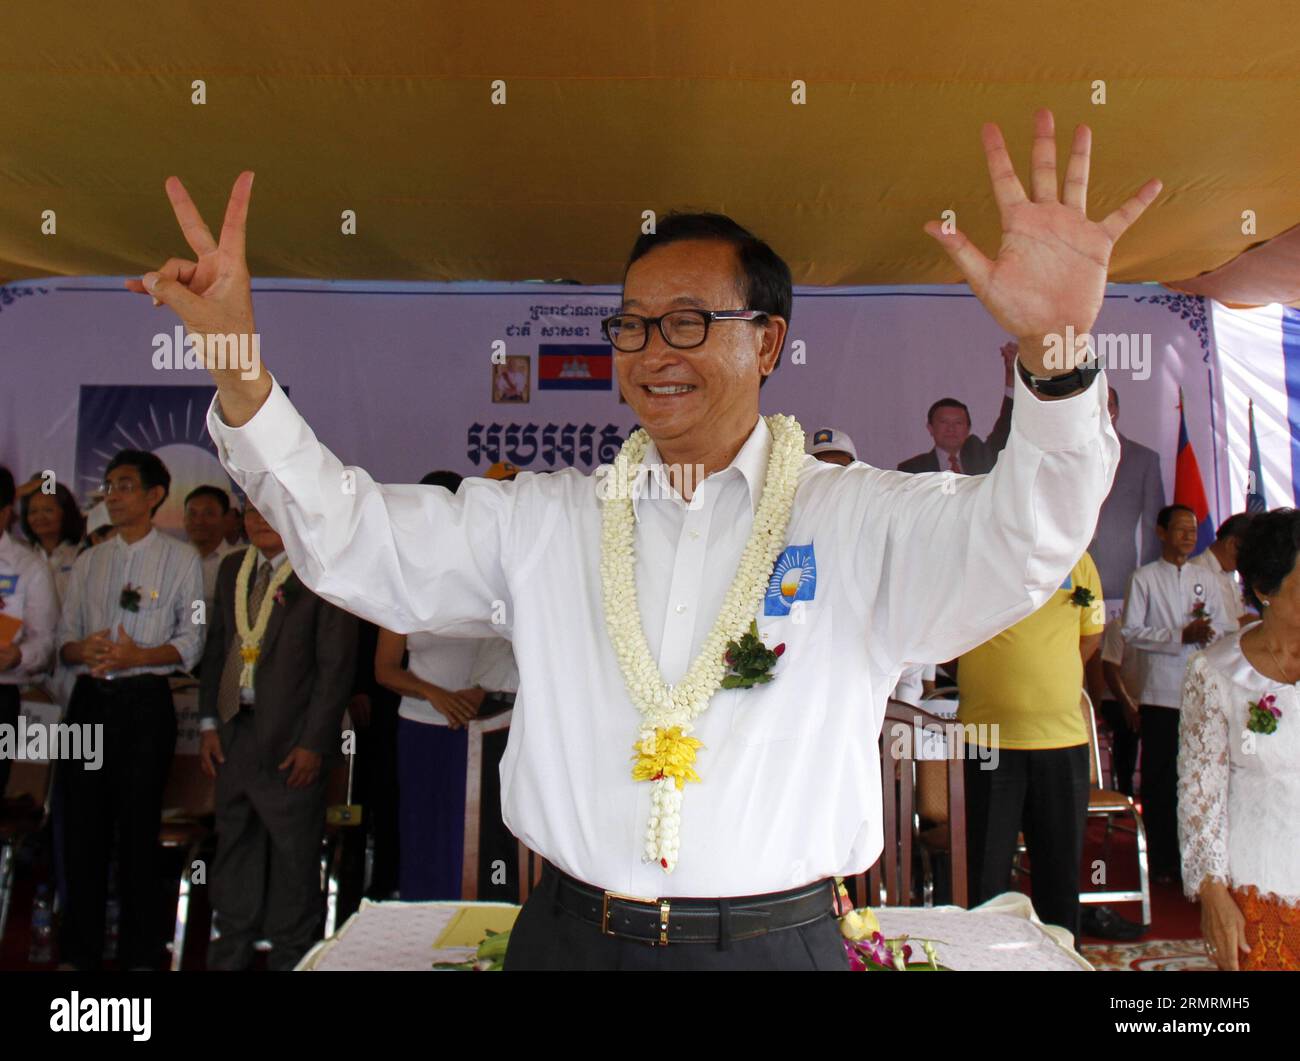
(1219,559)
(884,567)
(1171,611)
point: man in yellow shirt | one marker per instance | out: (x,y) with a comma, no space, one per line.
(1020,693)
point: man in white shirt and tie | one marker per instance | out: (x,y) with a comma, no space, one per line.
(689,824)
(1172,610)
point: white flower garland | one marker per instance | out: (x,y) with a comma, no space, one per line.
(664,706)
(251,640)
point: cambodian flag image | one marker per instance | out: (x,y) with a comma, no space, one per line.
(1189,488)
(574,367)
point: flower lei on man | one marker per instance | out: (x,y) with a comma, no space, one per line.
(665,752)
(250,639)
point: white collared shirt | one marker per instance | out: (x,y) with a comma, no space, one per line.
(494,667)
(907,567)
(28,594)
(1226,581)
(1159,604)
(442,661)
(166,573)
(211,564)
(911,683)
(60,563)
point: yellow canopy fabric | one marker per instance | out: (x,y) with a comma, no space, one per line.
(386,109)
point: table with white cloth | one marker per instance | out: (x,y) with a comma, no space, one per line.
(1002,934)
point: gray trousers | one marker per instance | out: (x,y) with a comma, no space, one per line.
(265,880)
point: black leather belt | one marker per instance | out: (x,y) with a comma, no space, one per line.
(688,920)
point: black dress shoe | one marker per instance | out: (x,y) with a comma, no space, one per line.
(1104,923)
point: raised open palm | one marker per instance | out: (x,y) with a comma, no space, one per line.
(1050,272)
(211,294)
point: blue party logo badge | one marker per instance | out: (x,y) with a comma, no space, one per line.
(824,435)
(794,577)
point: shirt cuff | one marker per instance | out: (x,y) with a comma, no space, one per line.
(263,443)
(1064,424)
(207,724)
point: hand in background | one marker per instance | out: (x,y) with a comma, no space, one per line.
(454,707)
(303,766)
(1197,632)
(210,752)
(1010,351)
(117,655)
(359,710)
(1223,925)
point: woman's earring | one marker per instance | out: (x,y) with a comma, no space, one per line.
(1263,602)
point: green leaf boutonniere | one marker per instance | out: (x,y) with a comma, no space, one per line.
(1082,597)
(749,661)
(1264,714)
(130,598)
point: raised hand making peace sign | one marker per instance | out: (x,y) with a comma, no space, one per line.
(1050,272)
(212,295)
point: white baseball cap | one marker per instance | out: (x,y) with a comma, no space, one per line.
(831,439)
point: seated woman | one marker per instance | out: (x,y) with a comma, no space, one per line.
(1239,765)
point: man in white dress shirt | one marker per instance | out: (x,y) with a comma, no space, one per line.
(892,567)
(1219,558)
(128,621)
(1172,610)
(205,529)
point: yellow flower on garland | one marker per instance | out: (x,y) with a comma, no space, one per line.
(666,754)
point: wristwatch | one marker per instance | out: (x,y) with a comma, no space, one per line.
(1058,386)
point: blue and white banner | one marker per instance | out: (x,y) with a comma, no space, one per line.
(1259,361)
(404,378)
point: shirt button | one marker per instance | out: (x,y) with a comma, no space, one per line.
(695,534)
(681,608)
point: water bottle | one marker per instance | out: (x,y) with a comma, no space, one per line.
(42,951)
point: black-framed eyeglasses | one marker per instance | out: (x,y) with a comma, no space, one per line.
(682,329)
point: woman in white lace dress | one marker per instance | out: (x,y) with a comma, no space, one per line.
(1239,765)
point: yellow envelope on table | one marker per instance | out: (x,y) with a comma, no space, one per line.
(470,925)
